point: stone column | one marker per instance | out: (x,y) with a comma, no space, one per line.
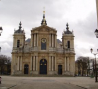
(65,63)
(31,41)
(18,63)
(31,64)
(52,63)
(37,39)
(34,63)
(68,63)
(55,40)
(21,63)
(49,63)
(55,63)
(50,40)
(13,64)
(34,40)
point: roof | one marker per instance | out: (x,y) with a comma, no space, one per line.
(58,41)
(19,30)
(44,26)
(67,30)
(28,40)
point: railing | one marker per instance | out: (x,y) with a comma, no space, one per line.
(29,49)
(59,50)
(69,50)
(25,49)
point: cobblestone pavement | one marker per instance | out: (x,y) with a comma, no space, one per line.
(9,82)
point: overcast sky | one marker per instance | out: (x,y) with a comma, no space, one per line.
(80,14)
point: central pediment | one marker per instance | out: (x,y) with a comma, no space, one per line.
(44,28)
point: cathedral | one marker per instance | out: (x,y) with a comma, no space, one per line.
(43,53)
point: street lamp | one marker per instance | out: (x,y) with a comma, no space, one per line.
(95,64)
(0,34)
(0,49)
(96,33)
(1,30)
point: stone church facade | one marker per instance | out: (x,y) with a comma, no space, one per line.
(43,53)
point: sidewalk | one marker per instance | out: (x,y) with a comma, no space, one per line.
(84,82)
(6,86)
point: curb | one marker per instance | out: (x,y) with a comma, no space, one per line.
(82,87)
(11,87)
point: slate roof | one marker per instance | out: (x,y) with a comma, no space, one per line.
(67,30)
(28,40)
(58,41)
(19,30)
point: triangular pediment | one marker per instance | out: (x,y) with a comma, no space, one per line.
(44,28)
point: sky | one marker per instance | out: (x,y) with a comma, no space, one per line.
(80,14)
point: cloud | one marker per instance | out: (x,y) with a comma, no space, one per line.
(85,37)
(80,14)
(6,48)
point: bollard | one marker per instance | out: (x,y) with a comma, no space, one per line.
(0,80)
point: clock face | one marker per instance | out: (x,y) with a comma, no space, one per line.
(43,40)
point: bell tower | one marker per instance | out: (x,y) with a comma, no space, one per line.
(18,37)
(68,50)
(68,38)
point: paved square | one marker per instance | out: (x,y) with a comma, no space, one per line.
(11,82)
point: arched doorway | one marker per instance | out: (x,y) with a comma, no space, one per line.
(26,68)
(43,66)
(59,69)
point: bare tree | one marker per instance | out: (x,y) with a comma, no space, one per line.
(5,64)
(83,64)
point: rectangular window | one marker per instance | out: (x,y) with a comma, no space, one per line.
(68,43)
(18,43)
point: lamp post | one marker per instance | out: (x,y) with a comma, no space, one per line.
(1,30)
(96,33)
(0,49)
(95,64)
(0,34)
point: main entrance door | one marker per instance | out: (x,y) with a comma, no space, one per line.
(59,69)
(43,66)
(26,68)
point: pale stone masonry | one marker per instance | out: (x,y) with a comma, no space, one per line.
(43,53)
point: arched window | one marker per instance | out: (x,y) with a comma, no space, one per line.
(18,43)
(43,44)
(68,43)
